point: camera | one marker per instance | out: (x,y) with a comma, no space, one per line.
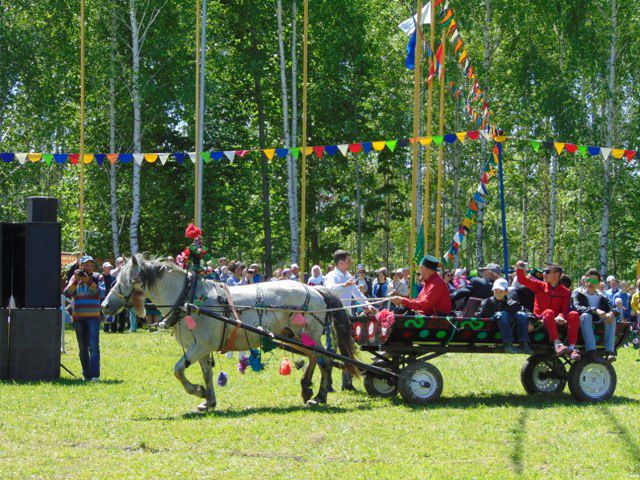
(251,271)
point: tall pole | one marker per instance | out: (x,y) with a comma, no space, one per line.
(426,210)
(201,9)
(82,122)
(303,167)
(417,84)
(503,210)
(441,149)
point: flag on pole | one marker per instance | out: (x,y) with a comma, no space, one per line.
(417,256)
(409,27)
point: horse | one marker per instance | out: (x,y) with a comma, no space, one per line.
(285,307)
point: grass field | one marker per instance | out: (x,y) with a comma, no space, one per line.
(138,423)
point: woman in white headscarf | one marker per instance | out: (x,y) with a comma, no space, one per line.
(316,278)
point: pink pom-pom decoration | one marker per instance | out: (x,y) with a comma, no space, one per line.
(243,364)
(307,340)
(190,322)
(385,319)
(298,319)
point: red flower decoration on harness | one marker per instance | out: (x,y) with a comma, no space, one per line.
(193,232)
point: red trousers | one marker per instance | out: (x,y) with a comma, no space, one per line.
(573,326)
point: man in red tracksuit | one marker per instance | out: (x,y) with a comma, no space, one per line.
(551,304)
(434,297)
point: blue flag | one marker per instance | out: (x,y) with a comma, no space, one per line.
(410,61)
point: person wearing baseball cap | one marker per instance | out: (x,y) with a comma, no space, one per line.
(479,287)
(506,312)
(434,298)
(84,287)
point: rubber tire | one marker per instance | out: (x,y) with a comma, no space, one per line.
(527,376)
(372,381)
(406,384)
(576,372)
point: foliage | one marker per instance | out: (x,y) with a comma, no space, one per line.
(547,79)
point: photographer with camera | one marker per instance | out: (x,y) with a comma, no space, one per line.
(86,292)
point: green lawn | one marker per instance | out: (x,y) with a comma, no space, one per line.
(138,423)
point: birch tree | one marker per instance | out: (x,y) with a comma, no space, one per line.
(115,234)
(139,30)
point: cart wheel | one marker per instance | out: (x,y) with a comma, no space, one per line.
(378,386)
(592,380)
(543,374)
(420,383)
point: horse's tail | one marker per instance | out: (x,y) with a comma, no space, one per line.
(342,328)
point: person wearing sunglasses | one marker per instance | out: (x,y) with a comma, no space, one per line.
(594,306)
(552,304)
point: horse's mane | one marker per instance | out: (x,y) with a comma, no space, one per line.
(152,269)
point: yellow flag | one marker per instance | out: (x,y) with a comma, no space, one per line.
(467,223)
(269,152)
(617,152)
(426,140)
(34,157)
(87,158)
(559,147)
(378,146)
(500,138)
(151,157)
(461,136)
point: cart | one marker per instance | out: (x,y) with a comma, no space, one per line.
(405,348)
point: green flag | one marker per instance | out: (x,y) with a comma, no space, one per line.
(535,144)
(417,256)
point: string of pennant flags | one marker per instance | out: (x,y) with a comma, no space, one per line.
(475,95)
(319,151)
(476,203)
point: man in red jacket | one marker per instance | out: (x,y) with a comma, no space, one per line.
(434,298)
(551,304)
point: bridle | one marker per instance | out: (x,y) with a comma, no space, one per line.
(126,299)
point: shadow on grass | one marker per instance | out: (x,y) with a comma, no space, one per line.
(537,402)
(62,382)
(247,412)
(629,443)
(519,433)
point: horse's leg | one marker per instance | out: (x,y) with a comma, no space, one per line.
(325,379)
(194,353)
(207,373)
(307,392)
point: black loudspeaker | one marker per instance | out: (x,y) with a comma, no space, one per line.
(42,209)
(4,345)
(36,265)
(34,344)
(6,253)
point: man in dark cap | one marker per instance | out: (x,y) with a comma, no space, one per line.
(479,287)
(434,297)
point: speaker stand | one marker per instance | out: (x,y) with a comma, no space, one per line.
(67,370)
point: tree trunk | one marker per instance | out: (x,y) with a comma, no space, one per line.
(291,179)
(115,234)
(264,169)
(137,147)
(293,206)
(610,108)
(553,174)
(486,64)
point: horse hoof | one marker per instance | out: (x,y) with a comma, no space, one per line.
(205,407)
(311,403)
(306,395)
(319,400)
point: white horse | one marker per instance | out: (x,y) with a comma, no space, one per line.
(280,306)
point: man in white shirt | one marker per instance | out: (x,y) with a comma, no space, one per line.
(343,284)
(345,287)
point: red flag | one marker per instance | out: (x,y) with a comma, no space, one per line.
(318,151)
(571,147)
(355,147)
(74,157)
(629,154)
(473,134)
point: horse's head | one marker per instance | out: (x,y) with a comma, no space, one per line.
(128,291)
